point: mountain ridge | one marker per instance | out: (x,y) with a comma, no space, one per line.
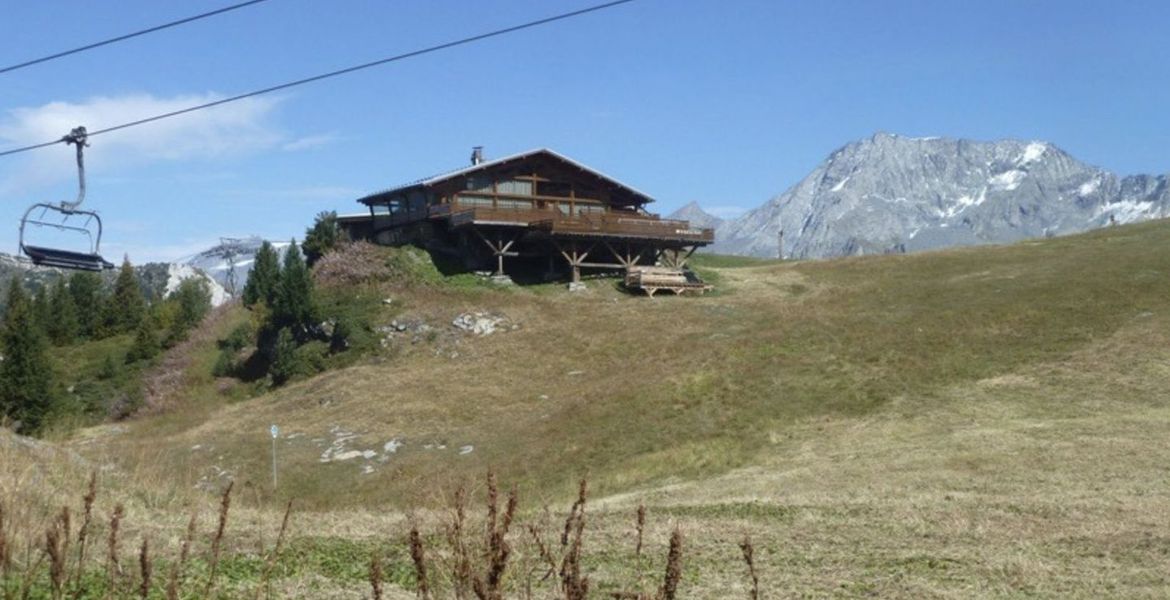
(889,193)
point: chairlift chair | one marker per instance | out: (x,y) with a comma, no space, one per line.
(73,219)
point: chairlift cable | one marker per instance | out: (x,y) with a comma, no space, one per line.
(347,70)
(127,36)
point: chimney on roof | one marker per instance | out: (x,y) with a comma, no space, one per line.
(476,155)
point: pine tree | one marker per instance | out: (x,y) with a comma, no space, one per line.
(42,313)
(194,299)
(294,293)
(284,360)
(263,278)
(25,373)
(322,237)
(88,301)
(62,327)
(146,344)
(127,306)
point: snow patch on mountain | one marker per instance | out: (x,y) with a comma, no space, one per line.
(231,259)
(1008,180)
(177,274)
(1033,152)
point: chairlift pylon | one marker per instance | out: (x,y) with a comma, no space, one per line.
(73,219)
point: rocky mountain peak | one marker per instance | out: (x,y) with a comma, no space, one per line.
(890,193)
(697,217)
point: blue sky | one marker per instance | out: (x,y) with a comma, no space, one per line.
(727,103)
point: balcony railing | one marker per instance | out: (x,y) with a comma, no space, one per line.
(554,221)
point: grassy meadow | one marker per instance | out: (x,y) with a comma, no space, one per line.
(979,422)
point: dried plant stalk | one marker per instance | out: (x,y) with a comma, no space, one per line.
(640,524)
(86,523)
(673,567)
(216,542)
(54,548)
(490,586)
(573,585)
(144,568)
(266,577)
(375,577)
(419,558)
(461,569)
(543,550)
(113,567)
(179,568)
(749,558)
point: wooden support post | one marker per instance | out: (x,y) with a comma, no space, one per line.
(625,260)
(499,248)
(575,262)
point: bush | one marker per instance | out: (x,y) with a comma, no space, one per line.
(310,359)
(146,344)
(225,363)
(239,338)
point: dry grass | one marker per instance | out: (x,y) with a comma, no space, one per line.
(976,423)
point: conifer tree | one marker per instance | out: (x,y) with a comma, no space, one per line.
(25,373)
(62,327)
(146,343)
(294,293)
(41,310)
(283,365)
(194,299)
(86,289)
(322,237)
(127,306)
(263,278)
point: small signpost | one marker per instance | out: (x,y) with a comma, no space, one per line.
(275,431)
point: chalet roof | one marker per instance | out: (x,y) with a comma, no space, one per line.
(488,164)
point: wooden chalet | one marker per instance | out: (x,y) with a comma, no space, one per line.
(533,212)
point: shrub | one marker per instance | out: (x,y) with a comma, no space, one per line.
(225,363)
(239,338)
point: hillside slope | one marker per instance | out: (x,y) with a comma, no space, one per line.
(974,422)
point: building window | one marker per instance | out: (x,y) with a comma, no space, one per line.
(514,204)
(467,200)
(514,187)
(589,209)
(479,183)
(558,189)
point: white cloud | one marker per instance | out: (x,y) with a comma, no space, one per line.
(227,130)
(310,141)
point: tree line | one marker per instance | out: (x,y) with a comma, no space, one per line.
(79,309)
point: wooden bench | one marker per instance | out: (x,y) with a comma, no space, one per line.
(655,279)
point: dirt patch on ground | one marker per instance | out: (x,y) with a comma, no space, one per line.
(164,384)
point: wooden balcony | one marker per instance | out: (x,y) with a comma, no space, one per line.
(631,225)
(611,225)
